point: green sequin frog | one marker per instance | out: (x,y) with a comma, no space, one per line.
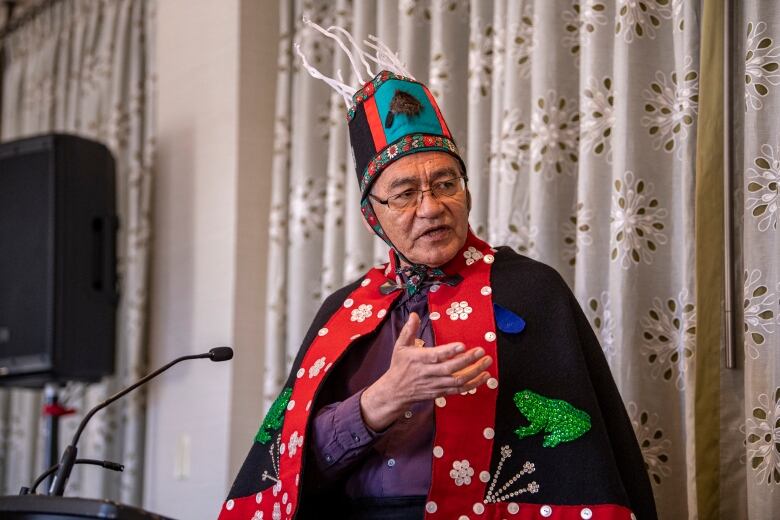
(561,421)
(274,418)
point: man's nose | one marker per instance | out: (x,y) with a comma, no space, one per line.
(429,204)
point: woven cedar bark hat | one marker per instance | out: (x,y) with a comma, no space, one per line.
(390,116)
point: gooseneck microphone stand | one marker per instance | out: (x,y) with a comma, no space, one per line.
(68,458)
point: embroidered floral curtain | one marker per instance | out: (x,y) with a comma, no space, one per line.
(85,67)
(757,172)
(577,119)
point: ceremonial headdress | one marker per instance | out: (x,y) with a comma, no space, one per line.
(390,115)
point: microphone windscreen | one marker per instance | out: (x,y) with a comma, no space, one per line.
(221,353)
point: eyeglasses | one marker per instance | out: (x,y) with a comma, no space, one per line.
(410,199)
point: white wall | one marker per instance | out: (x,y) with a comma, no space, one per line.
(216,63)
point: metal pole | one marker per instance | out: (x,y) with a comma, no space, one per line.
(51,432)
(729,290)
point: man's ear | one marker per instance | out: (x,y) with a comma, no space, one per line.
(468,200)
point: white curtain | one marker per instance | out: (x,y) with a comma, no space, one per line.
(577,119)
(757,114)
(85,67)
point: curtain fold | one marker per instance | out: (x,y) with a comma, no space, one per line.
(578,124)
(709,261)
(85,67)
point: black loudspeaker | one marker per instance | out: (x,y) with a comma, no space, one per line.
(58,292)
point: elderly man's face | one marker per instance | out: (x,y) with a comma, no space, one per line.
(434,230)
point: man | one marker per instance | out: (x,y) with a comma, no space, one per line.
(458,381)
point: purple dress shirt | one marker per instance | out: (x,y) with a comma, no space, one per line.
(395,462)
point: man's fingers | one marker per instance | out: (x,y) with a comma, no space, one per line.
(474,383)
(409,331)
(452,385)
(467,374)
(442,352)
(458,362)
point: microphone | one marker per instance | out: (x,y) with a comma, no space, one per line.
(68,459)
(221,354)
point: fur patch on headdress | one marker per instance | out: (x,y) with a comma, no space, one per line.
(402,103)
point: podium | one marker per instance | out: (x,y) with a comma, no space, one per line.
(43,507)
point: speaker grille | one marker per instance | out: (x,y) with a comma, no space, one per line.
(27,247)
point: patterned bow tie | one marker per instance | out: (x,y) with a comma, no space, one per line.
(413,278)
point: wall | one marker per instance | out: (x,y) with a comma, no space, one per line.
(216,64)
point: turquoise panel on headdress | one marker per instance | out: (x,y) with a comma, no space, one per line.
(425,122)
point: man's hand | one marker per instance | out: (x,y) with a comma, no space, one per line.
(421,374)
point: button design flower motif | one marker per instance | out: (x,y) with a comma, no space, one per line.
(361,313)
(258,515)
(295,442)
(459,311)
(461,472)
(471,255)
(316,367)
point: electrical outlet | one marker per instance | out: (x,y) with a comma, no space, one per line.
(181,459)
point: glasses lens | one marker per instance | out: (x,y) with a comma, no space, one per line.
(404,199)
(448,187)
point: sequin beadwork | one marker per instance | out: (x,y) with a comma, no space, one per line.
(560,420)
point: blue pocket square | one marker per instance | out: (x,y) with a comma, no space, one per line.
(507,321)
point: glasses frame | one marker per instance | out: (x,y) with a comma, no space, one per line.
(421,194)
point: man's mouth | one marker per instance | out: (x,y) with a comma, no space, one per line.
(435,233)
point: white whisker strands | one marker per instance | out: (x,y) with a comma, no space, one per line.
(383,57)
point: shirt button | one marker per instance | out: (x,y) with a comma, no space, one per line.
(355,437)
(328,458)
(408,414)
(391,463)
